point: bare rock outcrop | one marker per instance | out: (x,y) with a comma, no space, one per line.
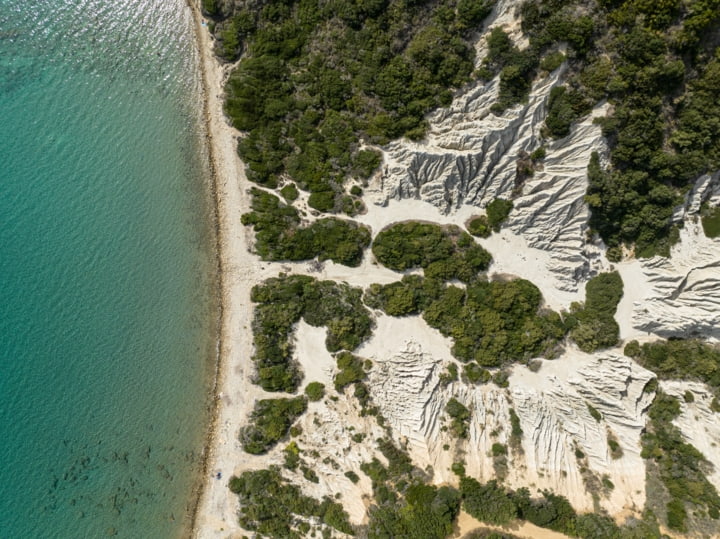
(680,296)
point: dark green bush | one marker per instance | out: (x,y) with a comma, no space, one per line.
(565,107)
(495,322)
(711,222)
(315,391)
(450,375)
(497,212)
(351,370)
(489,503)
(279,235)
(596,326)
(679,359)
(352,476)
(552,61)
(597,416)
(322,200)
(444,252)
(289,192)
(411,295)
(426,511)
(479,226)
(270,421)
(475,374)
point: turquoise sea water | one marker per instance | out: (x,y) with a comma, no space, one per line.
(106,269)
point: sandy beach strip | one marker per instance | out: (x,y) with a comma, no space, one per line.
(215,511)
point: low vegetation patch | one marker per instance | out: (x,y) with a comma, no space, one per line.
(679,359)
(460,416)
(444,252)
(490,322)
(411,295)
(281,303)
(405,505)
(595,325)
(350,370)
(270,422)
(279,235)
(479,226)
(494,504)
(315,391)
(496,322)
(497,212)
(710,218)
(272,507)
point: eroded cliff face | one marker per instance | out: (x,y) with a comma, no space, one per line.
(562,446)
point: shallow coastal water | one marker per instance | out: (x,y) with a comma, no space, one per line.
(106,312)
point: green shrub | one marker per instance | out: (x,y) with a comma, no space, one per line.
(495,322)
(209,7)
(479,226)
(550,511)
(597,416)
(450,375)
(497,212)
(501,378)
(351,370)
(489,503)
(475,374)
(498,450)
(289,192)
(352,476)
(270,421)
(292,456)
(711,222)
(426,511)
(615,449)
(460,417)
(366,161)
(597,327)
(539,154)
(409,296)
(565,107)
(444,252)
(315,391)
(679,359)
(552,61)
(515,430)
